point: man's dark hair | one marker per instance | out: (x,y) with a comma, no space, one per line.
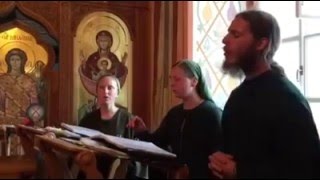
(264,25)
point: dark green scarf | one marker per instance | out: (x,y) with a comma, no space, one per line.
(192,69)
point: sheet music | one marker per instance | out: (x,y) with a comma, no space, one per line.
(81,130)
(130,144)
(120,142)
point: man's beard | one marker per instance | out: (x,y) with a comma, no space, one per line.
(244,64)
(232,70)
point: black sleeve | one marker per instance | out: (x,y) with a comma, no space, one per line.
(296,140)
(214,130)
(90,120)
(209,142)
(295,143)
(84,122)
(159,136)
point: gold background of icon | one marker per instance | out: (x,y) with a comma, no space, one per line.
(85,44)
(17,38)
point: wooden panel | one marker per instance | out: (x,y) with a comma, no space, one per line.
(53,100)
(66,65)
(45,12)
(143,66)
(6,7)
(126,11)
(116,4)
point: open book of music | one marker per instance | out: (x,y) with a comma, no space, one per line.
(125,144)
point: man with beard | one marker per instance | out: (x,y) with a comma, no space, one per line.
(268,128)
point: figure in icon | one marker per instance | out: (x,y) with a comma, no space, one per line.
(17,89)
(103,61)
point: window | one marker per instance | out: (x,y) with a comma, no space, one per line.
(211,20)
(289,27)
(308,9)
(299,51)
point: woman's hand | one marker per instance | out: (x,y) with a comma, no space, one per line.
(137,124)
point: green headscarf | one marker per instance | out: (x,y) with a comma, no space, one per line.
(192,69)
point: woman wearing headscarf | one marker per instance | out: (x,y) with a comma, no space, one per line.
(191,129)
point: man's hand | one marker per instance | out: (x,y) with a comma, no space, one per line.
(222,165)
